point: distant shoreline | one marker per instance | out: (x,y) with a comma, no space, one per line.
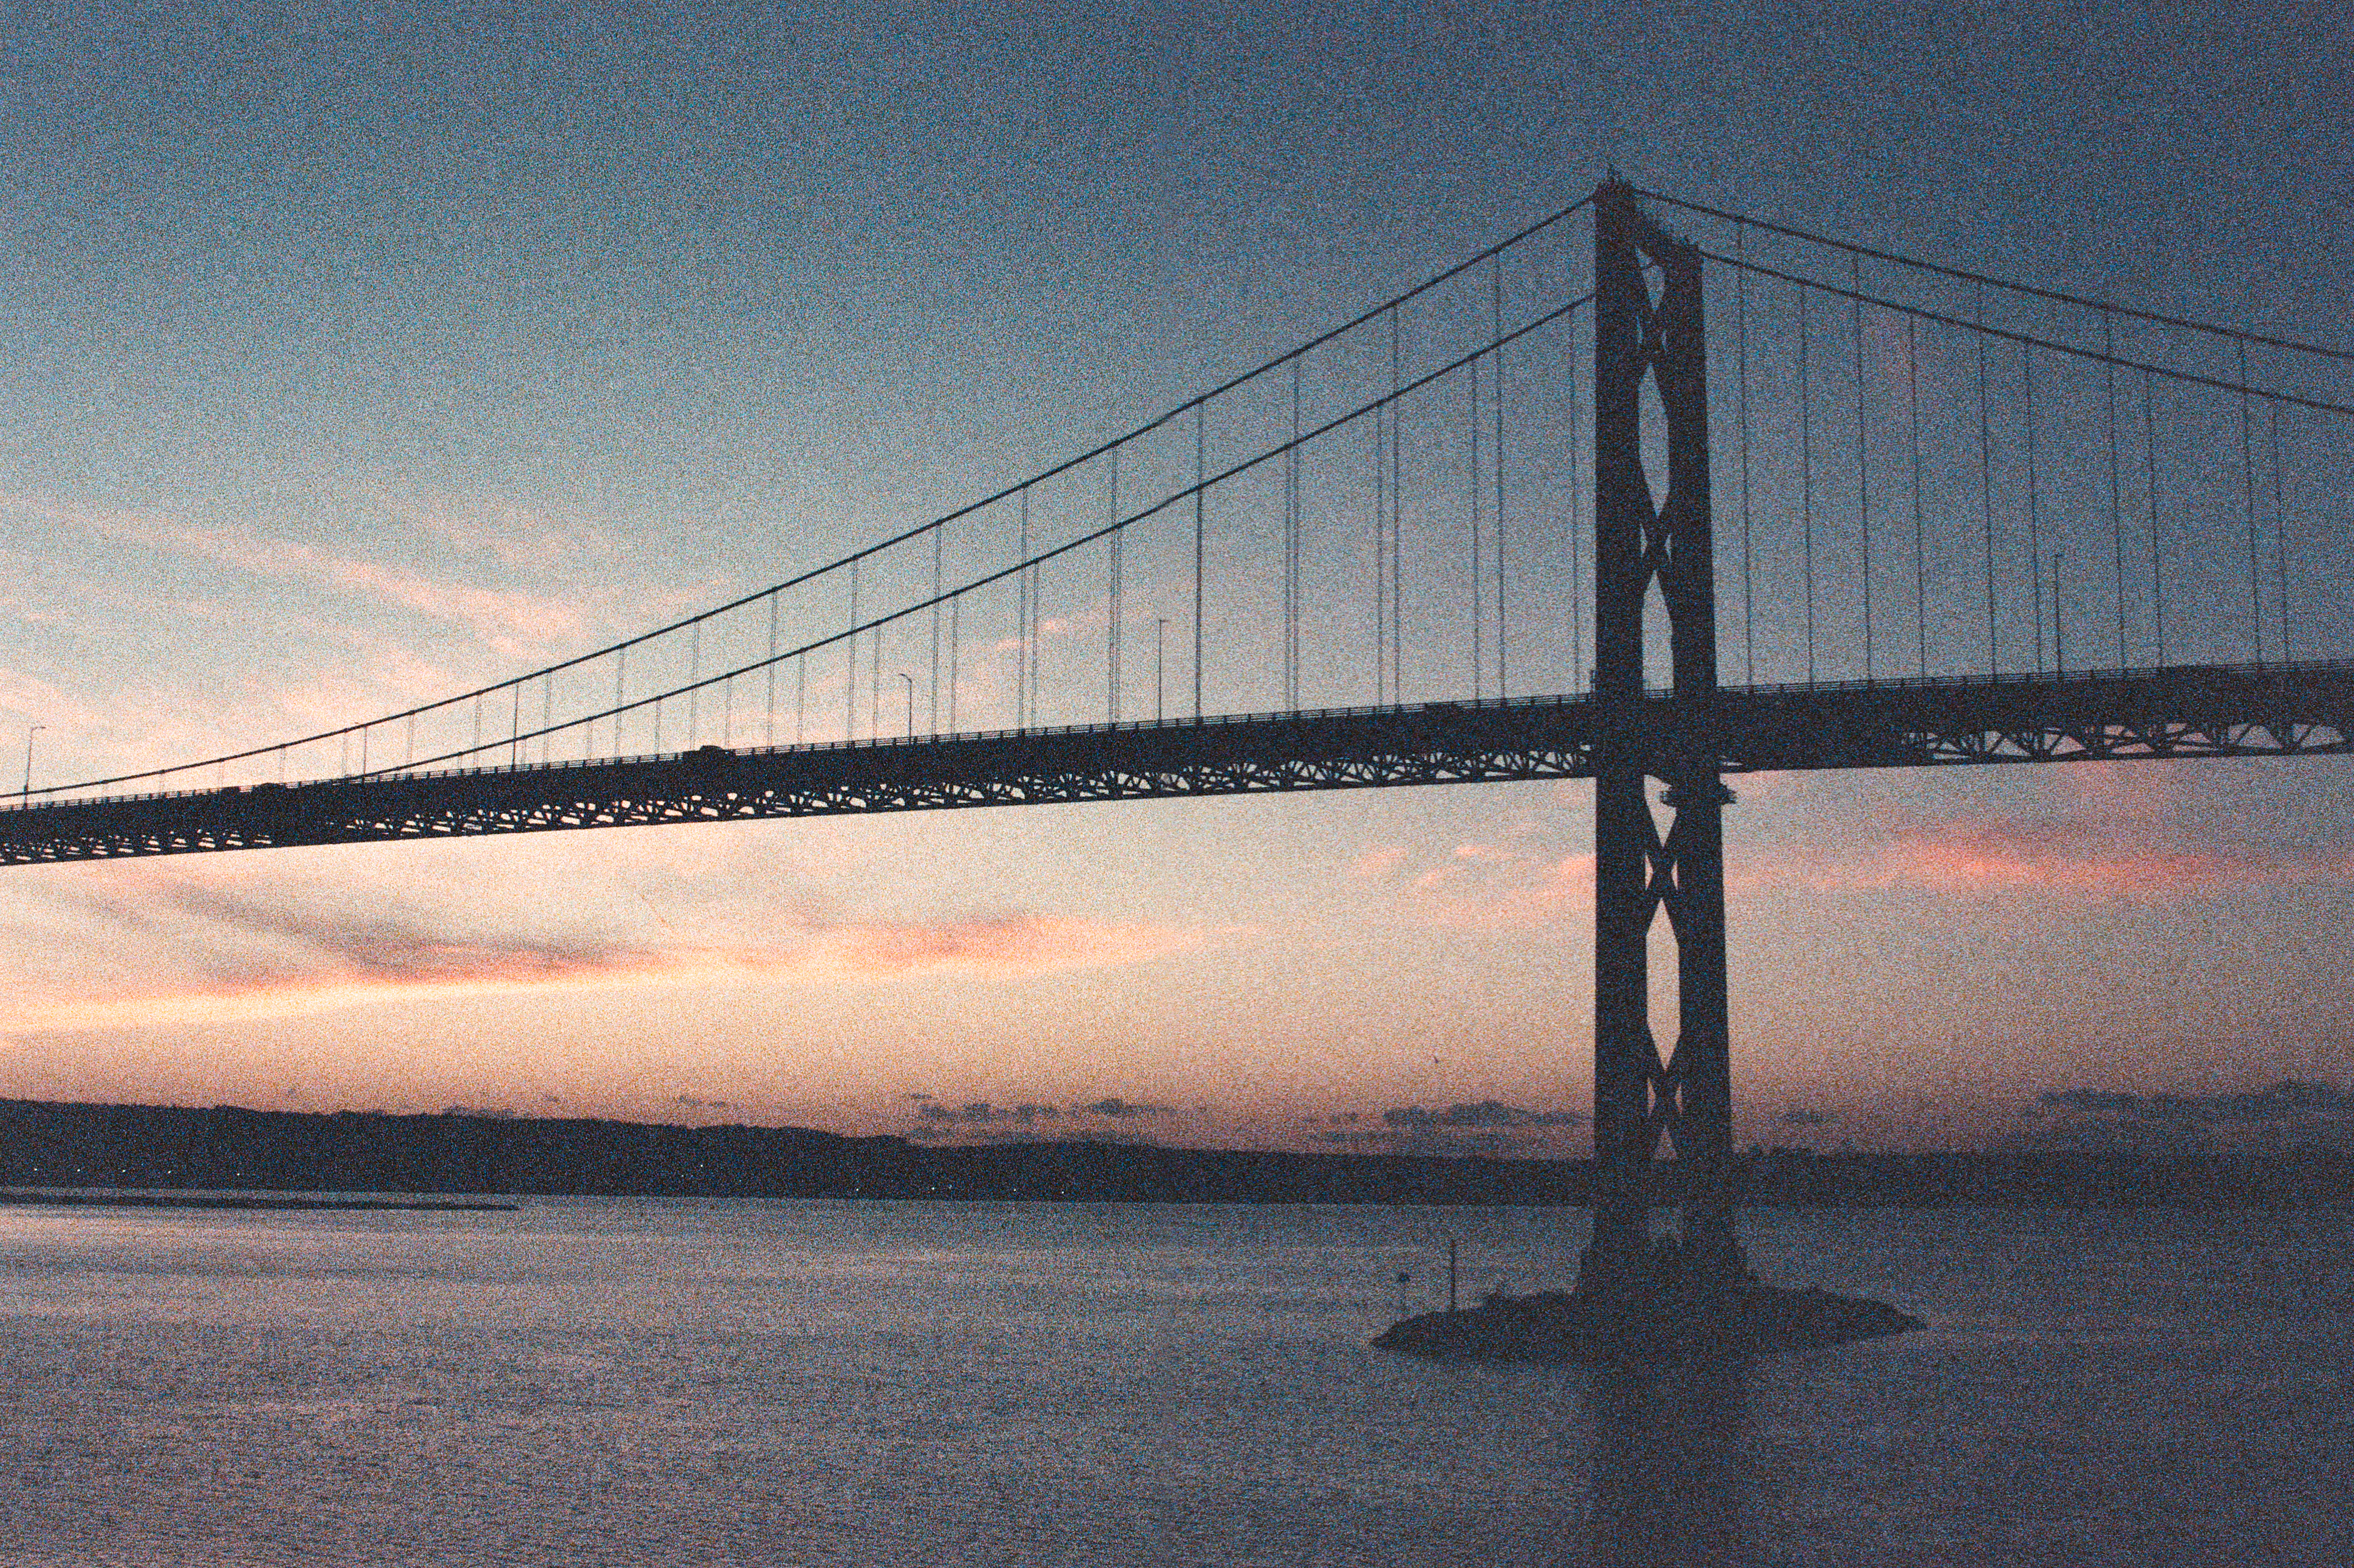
(216,1201)
(143,1156)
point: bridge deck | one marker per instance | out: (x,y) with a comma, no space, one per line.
(2203,711)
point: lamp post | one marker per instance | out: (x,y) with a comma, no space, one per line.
(909,682)
(26,799)
(1159,635)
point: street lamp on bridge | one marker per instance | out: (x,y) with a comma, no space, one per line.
(26,799)
(909,682)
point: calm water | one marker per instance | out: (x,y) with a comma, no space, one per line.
(638,1382)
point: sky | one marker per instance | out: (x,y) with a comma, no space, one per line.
(355,356)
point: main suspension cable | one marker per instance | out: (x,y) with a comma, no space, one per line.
(955,597)
(1983,280)
(2052,344)
(617,650)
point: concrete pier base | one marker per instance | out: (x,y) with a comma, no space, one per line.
(1665,1313)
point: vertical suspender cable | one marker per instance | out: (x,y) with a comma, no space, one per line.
(771,666)
(1022,717)
(1576,510)
(1397,510)
(1920,550)
(693,679)
(2034,544)
(1740,367)
(875,685)
(1291,551)
(1496,333)
(1862,469)
(2059,618)
(1380,558)
(850,664)
(2157,573)
(1111,626)
(1986,474)
(1200,449)
(938,534)
(2248,486)
(800,695)
(956,627)
(620,672)
(1806,481)
(1026,674)
(1472,506)
(2280,535)
(548,718)
(2117,490)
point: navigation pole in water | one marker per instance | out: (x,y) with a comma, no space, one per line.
(1642,542)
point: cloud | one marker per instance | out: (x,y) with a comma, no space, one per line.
(513,535)
(2291,1113)
(377,947)
(2098,860)
(981,1121)
(224,956)
(1052,629)
(981,1113)
(2290,1100)
(1004,944)
(512,622)
(508,620)
(1495,1128)
(1479,1113)
(1116,1107)
(1487,886)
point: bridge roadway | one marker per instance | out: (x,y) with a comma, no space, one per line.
(2197,711)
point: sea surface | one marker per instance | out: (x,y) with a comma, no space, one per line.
(643,1381)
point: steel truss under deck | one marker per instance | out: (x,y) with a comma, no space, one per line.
(2253,711)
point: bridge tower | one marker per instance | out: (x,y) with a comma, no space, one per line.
(1643,541)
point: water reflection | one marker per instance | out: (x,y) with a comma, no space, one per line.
(1669,1476)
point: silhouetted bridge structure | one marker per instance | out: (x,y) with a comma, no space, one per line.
(1978,522)
(2256,710)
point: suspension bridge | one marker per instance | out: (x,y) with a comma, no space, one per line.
(1513,523)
